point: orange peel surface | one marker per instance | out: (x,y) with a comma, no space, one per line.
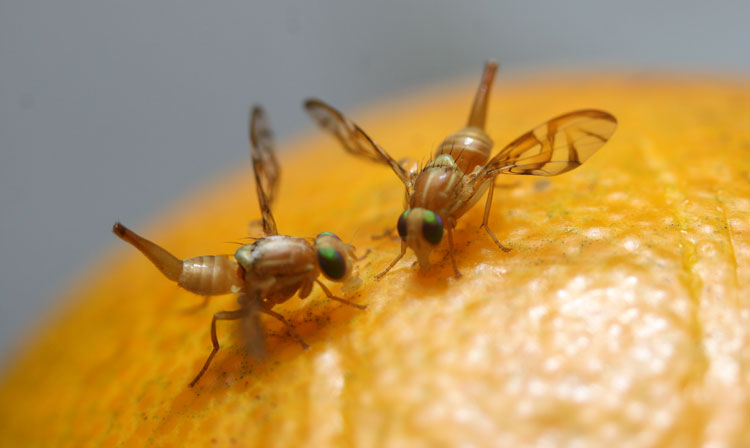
(621,316)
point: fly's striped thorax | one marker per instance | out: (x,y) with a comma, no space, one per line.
(210,275)
(277,266)
(470,147)
(438,188)
(277,256)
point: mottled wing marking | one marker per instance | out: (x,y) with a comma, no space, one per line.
(352,137)
(555,147)
(262,150)
(265,167)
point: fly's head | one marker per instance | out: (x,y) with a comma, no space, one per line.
(421,230)
(335,259)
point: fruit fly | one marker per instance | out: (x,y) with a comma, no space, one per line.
(461,171)
(265,273)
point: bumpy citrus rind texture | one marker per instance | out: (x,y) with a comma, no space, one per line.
(621,316)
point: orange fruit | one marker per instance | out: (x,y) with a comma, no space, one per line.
(621,317)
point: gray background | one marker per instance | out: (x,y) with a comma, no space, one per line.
(113,110)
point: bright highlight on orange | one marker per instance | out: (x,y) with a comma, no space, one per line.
(620,317)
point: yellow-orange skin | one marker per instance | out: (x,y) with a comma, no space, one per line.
(620,318)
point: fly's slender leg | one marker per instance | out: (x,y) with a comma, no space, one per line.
(452,250)
(367,252)
(384,234)
(221,315)
(338,299)
(486,219)
(288,326)
(395,260)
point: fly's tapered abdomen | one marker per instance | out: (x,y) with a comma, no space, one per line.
(470,147)
(210,275)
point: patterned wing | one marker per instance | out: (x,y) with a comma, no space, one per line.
(555,147)
(352,137)
(265,166)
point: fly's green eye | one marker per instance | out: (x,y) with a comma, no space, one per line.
(328,234)
(401,226)
(332,263)
(432,227)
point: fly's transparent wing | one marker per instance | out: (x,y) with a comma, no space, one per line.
(555,147)
(352,137)
(252,331)
(265,166)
